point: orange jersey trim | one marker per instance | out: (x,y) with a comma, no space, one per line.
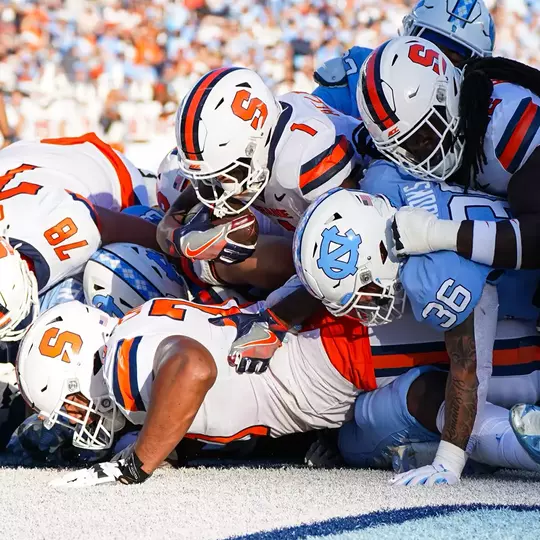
(317,168)
(124,177)
(346,343)
(254,431)
(123,373)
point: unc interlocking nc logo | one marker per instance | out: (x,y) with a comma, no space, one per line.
(339,253)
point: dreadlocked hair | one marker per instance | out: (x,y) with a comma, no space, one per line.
(474,104)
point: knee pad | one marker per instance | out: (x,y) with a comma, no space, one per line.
(381,422)
(153,215)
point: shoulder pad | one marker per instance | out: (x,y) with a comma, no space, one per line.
(331,73)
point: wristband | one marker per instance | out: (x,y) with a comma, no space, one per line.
(442,235)
(451,456)
(132,472)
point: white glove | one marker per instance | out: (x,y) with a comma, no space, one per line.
(417,231)
(124,468)
(102,473)
(446,469)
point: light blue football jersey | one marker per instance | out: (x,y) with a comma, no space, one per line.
(443,287)
(337,82)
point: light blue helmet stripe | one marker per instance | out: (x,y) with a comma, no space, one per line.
(462,11)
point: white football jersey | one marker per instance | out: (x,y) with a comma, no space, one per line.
(56,232)
(84,165)
(311,151)
(301,390)
(512,135)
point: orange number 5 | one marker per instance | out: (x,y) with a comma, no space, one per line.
(53,350)
(60,232)
(248,108)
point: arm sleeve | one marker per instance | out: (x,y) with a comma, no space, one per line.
(443,288)
(511,243)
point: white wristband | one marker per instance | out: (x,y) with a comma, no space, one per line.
(452,457)
(443,235)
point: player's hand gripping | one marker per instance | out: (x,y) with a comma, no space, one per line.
(258,337)
(201,239)
(446,469)
(125,468)
(417,231)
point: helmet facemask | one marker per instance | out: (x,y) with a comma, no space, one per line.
(433,149)
(374,305)
(100,418)
(240,182)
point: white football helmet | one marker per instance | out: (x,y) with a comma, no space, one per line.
(61,355)
(464,27)
(19,303)
(408,98)
(122,276)
(170,182)
(342,254)
(223,131)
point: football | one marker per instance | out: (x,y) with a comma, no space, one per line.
(246,229)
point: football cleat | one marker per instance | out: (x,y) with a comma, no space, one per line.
(525,421)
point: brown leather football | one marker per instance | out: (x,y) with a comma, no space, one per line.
(248,228)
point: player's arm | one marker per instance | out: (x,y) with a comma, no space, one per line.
(510,243)
(259,335)
(120,227)
(186,373)
(470,350)
(260,269)
(173,220)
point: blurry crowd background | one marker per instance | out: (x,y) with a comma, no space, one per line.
(120,67)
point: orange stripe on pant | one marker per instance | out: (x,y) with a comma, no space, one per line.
(123,375)
(261,431)
(124,177)
(501,357)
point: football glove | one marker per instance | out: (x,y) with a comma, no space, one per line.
(258,337)
(324,452)
(446,469)
(417,231)
(200,239)
(126,470)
